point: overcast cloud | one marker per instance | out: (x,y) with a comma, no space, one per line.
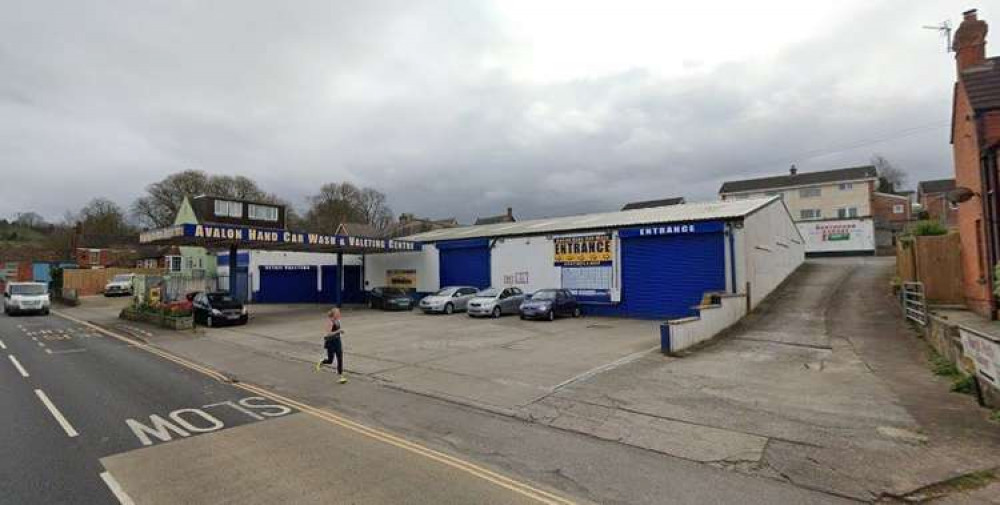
(463,108)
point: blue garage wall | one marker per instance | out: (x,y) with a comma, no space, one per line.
(665,274)
(465,262)
(287,284)
(352,292)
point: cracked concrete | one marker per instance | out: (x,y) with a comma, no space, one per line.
(822,386)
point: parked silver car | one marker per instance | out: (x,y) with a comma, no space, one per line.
(496,302)
(448,300)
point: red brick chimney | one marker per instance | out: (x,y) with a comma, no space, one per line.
(970,41)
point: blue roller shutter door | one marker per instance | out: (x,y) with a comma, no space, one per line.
(352,292)
(664,276)
(465,263)
(287,284)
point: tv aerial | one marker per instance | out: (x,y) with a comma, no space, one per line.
(944,29)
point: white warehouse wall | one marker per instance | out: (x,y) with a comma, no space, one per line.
(770,248)
(424,261)
(526,263)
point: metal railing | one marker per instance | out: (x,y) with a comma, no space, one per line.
(914,302)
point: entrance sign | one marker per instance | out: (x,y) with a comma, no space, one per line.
(673,229)
(591,250)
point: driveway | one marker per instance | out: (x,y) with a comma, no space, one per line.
(823,386)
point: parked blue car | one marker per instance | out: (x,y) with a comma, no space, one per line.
(550,303)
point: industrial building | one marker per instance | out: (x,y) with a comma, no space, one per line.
(656,263)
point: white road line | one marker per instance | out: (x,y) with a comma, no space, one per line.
(116,489)
(49,351)
(40,344)
(68,428)
(3,345)
(17,364)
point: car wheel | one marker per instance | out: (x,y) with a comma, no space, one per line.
(576,312)
(496,312)
(449,309)
(522,317)
(552,315)
(45,312)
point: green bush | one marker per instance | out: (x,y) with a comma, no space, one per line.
(928,228)
(965,385)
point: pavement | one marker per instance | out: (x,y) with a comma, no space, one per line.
(92,418)
(823,390)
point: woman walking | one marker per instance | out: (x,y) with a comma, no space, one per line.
(333,344)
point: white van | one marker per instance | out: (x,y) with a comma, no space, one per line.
(20,297)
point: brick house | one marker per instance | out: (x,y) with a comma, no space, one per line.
(975,136)
(892,213)
(933,199)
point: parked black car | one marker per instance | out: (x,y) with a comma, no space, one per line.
(387,298)
(217,309)
(549,303)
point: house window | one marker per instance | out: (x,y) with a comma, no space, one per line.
(262,212)
(226,208)
(846,186)
(809,192)
(174,263)
(810,214)
(898,208)
(846,212)
(94,257)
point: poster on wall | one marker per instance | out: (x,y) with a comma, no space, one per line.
(985,353)
(590,250)
(841,235)
(405,279)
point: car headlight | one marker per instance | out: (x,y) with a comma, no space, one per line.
(243,311)
(216,312)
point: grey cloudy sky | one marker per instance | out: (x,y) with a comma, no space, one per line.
(463,108)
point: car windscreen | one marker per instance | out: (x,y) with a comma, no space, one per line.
(393,292)
(544,295)
(488,293)
(122,278)
(220,298)
(28,289)
(446,292)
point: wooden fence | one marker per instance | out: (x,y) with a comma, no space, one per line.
(936,261)
(92,282)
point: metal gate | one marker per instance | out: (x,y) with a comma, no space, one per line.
(914,302)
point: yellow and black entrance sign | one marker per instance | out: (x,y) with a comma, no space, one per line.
(591,250)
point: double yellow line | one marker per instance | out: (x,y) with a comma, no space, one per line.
(522,488)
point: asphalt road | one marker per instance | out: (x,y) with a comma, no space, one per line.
(89,418)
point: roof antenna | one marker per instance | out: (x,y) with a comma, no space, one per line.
(944,29)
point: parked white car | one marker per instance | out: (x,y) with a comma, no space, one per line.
(121,284)
(22,297)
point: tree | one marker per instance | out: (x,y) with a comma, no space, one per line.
(163,199)
(102,223)
(346,203)
(29,220)
(890,177)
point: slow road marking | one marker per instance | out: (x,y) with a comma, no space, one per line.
(68,428)
(116,489)
(17,365)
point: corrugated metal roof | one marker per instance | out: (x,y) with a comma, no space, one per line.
(705,211)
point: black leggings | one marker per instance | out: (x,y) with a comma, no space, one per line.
(335,349)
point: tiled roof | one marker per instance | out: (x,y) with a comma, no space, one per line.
(688,212)
(982,84)
(648,204)
(936,186)
(800,179)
